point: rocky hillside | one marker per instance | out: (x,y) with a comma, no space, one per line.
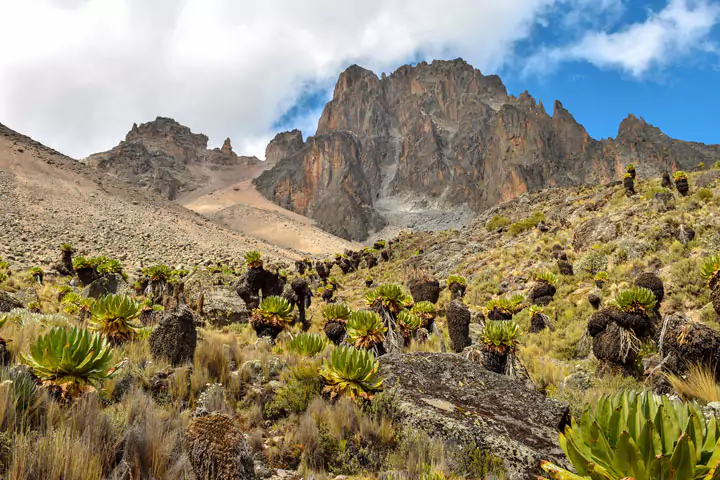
(49,199)
(433,137)
(165,157)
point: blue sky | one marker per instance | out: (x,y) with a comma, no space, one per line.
(678,92)
(81,72)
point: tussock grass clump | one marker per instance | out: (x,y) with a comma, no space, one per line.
(698,384)
(496,223)
(526,224)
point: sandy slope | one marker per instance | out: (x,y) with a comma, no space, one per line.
(243,209)
(47,198)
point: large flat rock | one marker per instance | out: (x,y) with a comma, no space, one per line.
(457,400)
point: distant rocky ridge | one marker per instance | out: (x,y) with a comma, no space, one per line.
(443,135)
(48,199)
(167,158)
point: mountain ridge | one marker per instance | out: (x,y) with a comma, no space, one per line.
(443,134)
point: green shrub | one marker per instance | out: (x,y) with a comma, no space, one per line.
(336,311)
(351,373)
(365,329)
(680,175)
(548,277)
(307,344)
(526,224)
(74,303)
(460,280)
(81,262)
(710,270)
(704,195)
(640,436)
(302,384)
(424,309)
(593,261)
(273,311)
(390,297)
(253,259)
(408,322)
(111,266)
(500,335)
(635,299)
(158,272)
(496,223)
(72,358)
(112,315)
(601,276)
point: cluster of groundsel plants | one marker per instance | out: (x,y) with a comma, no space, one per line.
(507,305)
(73,358)
(157,273)
(351,372)
(365,329)
(680,175)
(547,277)
(307,344)
(640,436)
(113,316)
(253,259)
(635,300)
(273,312)
(425,310)
(710,271)
(408,323)
(336,312)
(74,303)
(390,297)
(500,336)
(456,279)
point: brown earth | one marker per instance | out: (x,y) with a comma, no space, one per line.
(242,208)
(48,199)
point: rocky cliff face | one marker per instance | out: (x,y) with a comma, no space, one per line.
(324,180)
(444,135)
(166,157)
(283,145)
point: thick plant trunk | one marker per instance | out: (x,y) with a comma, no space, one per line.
(495,362)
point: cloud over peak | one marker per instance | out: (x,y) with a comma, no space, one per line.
(80,72)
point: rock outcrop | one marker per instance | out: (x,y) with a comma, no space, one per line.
(325,181)
(442,135)
(167,158)
(175,337)
(283,145)
(8,302)
(455,399)
(217,449)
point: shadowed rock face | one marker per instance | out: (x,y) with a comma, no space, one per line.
(157,155)
(283,145)
(325,181)
(457,400)
(444,134)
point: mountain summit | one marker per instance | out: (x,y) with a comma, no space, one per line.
(168,158)
(435,137)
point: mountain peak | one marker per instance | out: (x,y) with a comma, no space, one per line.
(437,136)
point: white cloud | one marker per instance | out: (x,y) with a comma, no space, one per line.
(77,73)
(679,29)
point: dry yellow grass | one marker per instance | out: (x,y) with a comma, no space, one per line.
(698,384)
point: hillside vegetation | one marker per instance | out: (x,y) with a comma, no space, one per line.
(453,354)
